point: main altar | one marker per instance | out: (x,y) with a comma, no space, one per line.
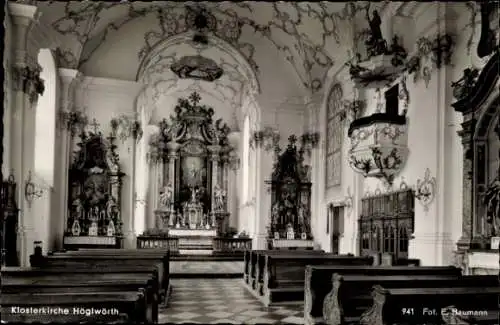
(192,151)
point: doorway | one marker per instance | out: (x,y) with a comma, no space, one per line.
(335,219)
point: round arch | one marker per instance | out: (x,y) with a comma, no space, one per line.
(45,120)
(217,42)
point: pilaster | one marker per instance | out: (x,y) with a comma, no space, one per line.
(68,79)
(26,87)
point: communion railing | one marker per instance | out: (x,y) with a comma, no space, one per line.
(223,244)
(152,241)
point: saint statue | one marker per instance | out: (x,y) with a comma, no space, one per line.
(78,208)
(219,198)
(376,45)
(166,196)
(194,192)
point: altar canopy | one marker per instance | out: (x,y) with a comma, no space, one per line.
(193,152)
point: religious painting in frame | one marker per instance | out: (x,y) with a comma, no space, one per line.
(335,137)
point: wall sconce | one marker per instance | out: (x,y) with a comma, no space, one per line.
(30,190)
(426,190)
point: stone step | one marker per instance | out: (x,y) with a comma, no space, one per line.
(195,251)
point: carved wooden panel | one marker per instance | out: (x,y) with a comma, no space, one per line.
(334,138)
(386,223)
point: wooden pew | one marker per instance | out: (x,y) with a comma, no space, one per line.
(159,259)
(102,272)
(414,306)
(112,251)
(318,281)
(86,283)
(118,304)
(283,276)
(257,283)
(351,295)
(256,262)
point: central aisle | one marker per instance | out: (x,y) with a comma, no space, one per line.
(211,301)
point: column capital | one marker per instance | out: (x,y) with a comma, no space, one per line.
(173,147)
(67,76)
(22,14)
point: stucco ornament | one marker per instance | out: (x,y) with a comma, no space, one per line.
(425,191)
(86,25)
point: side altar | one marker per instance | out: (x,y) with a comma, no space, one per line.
(192,152)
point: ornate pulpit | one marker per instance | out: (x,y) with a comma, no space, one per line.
(290,188)
(191,150)
(94,217)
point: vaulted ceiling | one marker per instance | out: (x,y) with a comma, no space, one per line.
(308,36)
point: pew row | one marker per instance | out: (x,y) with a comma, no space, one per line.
(283,275)
(110,272)
(443,305)
(319,280)
(102,307)
(351,294)
(121,260)
(87,283)
(251,263)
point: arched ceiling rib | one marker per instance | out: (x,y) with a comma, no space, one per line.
(306,33)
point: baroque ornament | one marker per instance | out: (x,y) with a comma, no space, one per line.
(267,138)
(425,191)
(197,67)
(463,87)
(430,54)
(27,80)
(124,127)
(73,121)
(378,146)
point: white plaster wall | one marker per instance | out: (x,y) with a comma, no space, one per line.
(432,139)
(7,99)
(104,99)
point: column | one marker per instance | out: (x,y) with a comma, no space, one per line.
(173,156)
(467,133)
(264,168)
(214,158)
(225,178)
(155,192)
(25,76)
(68,79)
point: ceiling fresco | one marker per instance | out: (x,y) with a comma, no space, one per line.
(307,34)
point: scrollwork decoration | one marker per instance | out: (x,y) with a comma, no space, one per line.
(437,52)
(426,190)
(74,121)
(124,127)
(404,94)
(268,138)
(27,80)
(31,190)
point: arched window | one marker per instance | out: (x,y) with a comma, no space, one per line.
(334,137)
(246,158)
(45,120)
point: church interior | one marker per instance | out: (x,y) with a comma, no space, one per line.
(250,162)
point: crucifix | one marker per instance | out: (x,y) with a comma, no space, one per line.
(95,125)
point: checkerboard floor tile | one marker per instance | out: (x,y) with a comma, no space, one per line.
(222,301)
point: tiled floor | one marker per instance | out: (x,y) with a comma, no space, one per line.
(206,267)
(224,301)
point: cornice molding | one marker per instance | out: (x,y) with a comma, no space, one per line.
(117,86)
